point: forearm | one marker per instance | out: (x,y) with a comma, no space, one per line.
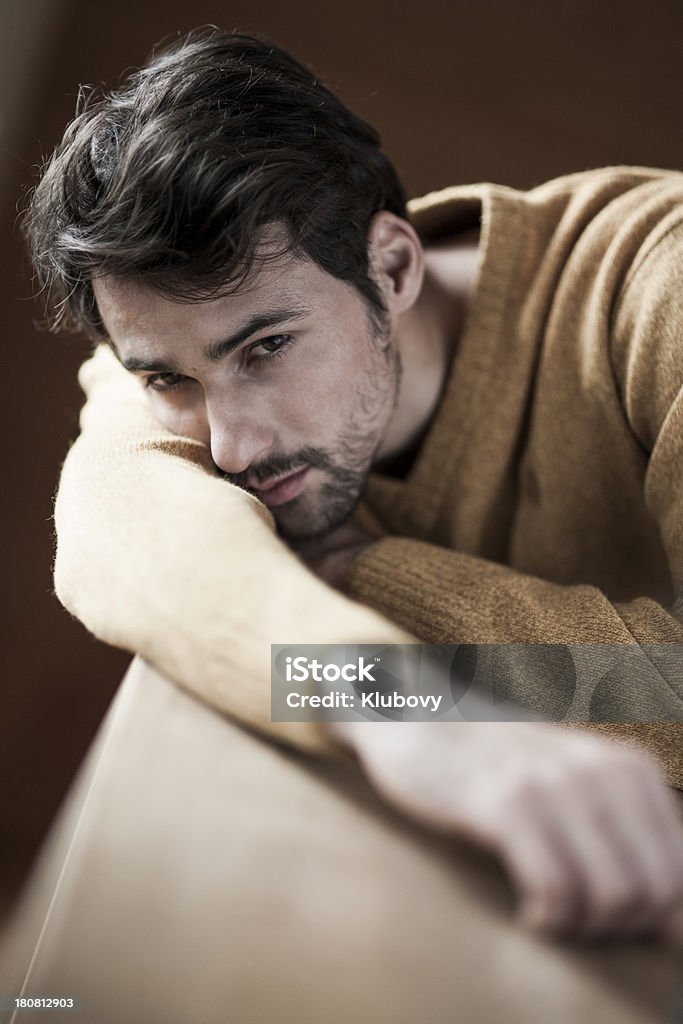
(442,596)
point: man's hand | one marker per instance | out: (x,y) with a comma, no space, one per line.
(330,557)
(587,828)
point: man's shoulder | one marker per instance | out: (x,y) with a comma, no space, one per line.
(647,329)
(611,202)
(617,179)
(607,200)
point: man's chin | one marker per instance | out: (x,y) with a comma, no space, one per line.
(294,532)
(296,522)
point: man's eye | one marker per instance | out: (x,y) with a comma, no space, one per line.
(163,381)
(269,348)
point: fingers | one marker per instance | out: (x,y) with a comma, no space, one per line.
(598,851)
(664,850)
(548,884)
(624,873)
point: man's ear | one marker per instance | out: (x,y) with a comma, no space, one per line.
(396,260)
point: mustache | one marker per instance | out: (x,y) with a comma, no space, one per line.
(277,465)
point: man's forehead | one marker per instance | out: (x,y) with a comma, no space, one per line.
(127,305)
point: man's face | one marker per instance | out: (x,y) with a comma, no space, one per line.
(288,381)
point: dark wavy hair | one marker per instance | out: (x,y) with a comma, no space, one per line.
(169,178)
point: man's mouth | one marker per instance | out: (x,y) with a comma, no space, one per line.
(284,489)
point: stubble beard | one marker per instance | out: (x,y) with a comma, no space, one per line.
(346,467)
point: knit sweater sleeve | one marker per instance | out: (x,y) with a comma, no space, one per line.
(444,596)
(159,555)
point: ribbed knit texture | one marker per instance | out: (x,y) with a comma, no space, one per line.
(545,505)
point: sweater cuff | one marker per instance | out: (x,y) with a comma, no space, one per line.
(445,596)
(397,577)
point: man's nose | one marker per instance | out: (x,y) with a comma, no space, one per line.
(238,441)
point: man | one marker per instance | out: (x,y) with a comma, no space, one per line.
(508,365)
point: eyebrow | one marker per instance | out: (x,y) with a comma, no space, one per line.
(218,350)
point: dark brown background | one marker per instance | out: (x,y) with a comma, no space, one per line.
(460,91)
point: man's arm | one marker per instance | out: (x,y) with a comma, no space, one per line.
(159,555)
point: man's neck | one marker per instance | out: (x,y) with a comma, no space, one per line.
(427,337)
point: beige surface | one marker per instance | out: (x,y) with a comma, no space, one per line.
(200,874)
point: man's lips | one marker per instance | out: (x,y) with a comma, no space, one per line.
(284,489)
